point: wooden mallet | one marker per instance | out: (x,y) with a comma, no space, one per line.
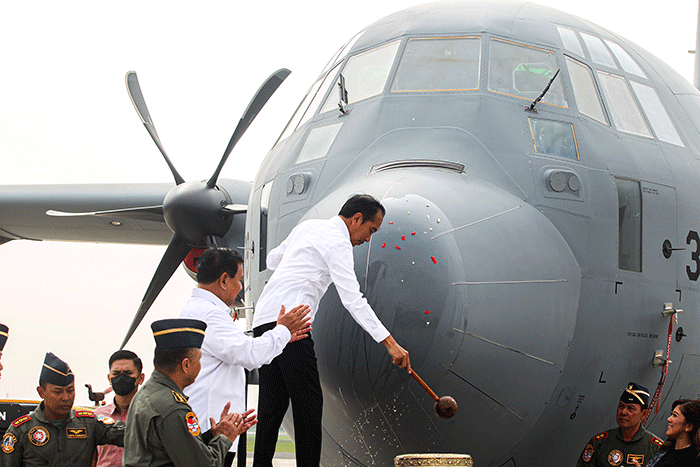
(445,406)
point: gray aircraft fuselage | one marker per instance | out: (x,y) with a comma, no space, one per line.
(510,289)
(527,251)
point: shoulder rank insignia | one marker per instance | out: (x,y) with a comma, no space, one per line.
(85,413)
(8,443)
(180,397)
(600,436)
(76,433)
(104,419)
(38,436)
(20,420)
(657,441)
(192,424)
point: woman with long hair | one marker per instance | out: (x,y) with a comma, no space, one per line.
(682,445)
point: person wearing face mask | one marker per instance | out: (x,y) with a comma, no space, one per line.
(124,376)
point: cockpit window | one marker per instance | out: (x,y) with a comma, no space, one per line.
(439,64)
(571,42)
(658,118)
(599,53)
(318,142)
(623,108)
(342,51)
(522,71)
(554,138)
(366,74)
(294,121)
(627,62)
(328,81)
(585,91)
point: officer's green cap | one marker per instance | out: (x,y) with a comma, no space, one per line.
(636,394)
(56,371)
(3,336)
(178,333)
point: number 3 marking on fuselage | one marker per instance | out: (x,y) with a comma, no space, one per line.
(695,255)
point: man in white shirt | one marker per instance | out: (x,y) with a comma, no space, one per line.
(316,253)
(226,350)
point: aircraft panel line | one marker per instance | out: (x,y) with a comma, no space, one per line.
(481,391)
(533,281)
(503,346)
(475,222)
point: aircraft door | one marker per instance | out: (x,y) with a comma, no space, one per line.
(660,236)
(256,241)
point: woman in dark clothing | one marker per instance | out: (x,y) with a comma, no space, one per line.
(682,445)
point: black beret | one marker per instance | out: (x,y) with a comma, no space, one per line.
(3,336)
(56,371)
(636,394)
(178,333)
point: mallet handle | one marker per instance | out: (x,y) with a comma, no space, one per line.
(425,386)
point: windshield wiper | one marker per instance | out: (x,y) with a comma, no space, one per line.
(531,107)
(343,94)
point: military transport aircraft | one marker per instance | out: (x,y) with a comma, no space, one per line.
(539,174)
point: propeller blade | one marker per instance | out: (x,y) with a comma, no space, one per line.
(132,86)
(174,255)
(259,100)
(146,213)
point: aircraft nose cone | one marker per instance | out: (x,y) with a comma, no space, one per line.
(482,290)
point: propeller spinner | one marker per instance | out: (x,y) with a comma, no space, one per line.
(196,212)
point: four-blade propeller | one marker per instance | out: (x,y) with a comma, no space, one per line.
(198,213)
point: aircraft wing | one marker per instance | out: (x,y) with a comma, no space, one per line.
(138,218)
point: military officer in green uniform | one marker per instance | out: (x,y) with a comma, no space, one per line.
(629,441)
(54,434)
(162,429)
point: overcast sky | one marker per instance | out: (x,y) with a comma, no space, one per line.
(65,118)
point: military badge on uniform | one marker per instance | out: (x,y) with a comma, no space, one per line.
(615,457)
(588,453)
(180,398)
(38,436)
(85,413)
(635,457)
(192,423)
(76,433)
(23,419)
(104,419)
(8,443)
